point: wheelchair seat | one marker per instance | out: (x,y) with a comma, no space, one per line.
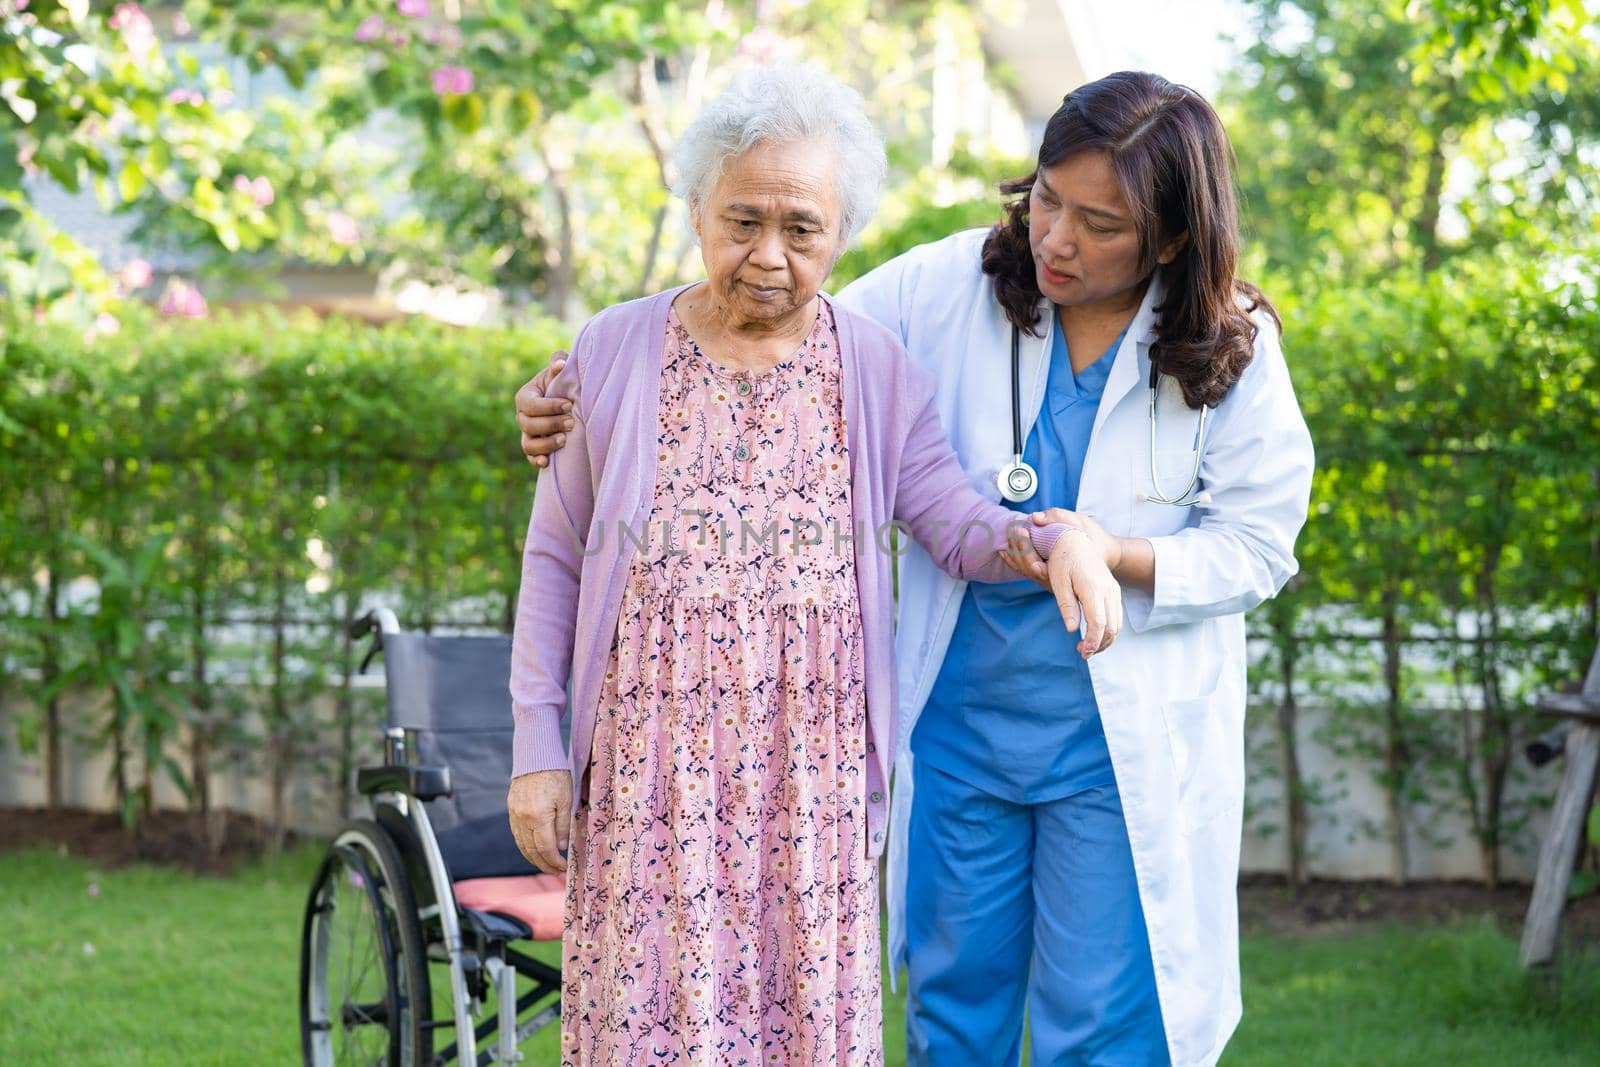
(537,901)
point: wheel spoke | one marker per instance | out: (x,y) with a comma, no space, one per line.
(365,1007)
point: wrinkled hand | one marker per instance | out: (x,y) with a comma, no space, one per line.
(1022,557)
(1086,591)
(540,806)
(543,422)
(1109,546)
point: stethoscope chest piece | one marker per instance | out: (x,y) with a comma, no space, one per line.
(1017,481)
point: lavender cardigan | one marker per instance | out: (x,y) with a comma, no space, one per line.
(902,470)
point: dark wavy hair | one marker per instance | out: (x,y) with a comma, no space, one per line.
(1174,164)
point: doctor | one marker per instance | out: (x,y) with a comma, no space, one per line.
(1073,844)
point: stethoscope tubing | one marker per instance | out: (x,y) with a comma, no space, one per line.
(1018,481)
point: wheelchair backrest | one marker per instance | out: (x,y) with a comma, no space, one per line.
(452,696)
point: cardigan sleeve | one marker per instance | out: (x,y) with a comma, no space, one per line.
(547,604)
(961,530)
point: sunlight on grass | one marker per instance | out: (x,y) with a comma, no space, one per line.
(145,966)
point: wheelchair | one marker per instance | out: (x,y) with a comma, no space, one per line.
(432,877)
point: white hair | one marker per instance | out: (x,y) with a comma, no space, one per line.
(783,103)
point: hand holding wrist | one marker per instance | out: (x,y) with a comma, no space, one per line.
(1106,547)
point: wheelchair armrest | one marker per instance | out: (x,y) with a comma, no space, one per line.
(424,783)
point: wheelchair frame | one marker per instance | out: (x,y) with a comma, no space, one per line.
(480,958)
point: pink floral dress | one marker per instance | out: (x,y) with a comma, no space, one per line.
(721,908)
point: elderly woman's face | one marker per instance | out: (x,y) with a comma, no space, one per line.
(770,231)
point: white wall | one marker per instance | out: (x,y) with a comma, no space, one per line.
(1348,834)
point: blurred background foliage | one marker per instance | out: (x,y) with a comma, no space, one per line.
(1419,182)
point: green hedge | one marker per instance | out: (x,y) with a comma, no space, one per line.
(263,469)
(1451,563)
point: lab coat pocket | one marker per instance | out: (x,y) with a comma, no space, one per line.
(1207,758)
(1174,471)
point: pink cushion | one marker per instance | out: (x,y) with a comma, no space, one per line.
(538,900)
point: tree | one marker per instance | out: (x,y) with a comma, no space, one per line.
(1381,135)
(534,147)
(1418,178)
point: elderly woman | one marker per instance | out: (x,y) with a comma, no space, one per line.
(707,571)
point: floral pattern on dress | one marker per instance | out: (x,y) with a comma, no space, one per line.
(721,905)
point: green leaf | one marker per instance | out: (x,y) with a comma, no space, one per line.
(128,636)
(130,182)
(207,199)
(464,111)
(524,110)
(176,776)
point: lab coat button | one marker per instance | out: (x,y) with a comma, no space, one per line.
(877,798)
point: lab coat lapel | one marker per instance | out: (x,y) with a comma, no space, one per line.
(1128,368)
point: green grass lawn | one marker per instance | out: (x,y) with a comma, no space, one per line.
(162,968)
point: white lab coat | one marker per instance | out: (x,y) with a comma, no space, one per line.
(1171,690)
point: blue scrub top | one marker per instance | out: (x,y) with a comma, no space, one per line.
(1012,711)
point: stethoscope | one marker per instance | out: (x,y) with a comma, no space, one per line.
(1018,481)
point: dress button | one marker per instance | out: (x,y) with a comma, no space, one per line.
(743,387)
(742,452)
(877,798)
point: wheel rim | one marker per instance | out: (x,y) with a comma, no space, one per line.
(349,1010)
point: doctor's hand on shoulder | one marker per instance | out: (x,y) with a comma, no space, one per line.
(544,422)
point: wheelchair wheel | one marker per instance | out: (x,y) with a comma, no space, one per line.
(364,991)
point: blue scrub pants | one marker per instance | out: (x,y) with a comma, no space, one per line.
(1011,904)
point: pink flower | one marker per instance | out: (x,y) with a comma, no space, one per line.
(399,38)
(342,228)
(259,190)
(138,32)
(105,322)
(761,45)
(136,274)
(180,25)
(413,9)
(445,36)
(94,889)
(187,96)
(371,29)
(183,299)
(222,98)
(447,80)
